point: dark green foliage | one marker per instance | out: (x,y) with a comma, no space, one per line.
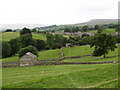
(30,48)
(67,30)
(79,40)
(113,25)
(40,44)
(85,28)
(8,30)
(96,27)
(27,40)
(6,49)
(34,30)
(100,29)
(15,45)
(55,41)
(117,37)
(85,35)
(25,31)
(71,30)
(102,43)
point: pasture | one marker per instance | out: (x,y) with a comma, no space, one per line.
(49,54)
(69,52)
(62,76)
(108,30)
(6,36)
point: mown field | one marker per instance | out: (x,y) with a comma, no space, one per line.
(105,31)
(6,36)
(62,76)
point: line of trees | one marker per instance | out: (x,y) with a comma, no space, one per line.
(24,43)
(86,28)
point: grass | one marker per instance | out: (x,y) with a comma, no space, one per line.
(109,31)
(49,54)
(10,59)
(105,31)
(91,59)
(39,36)
(60,76)
(77,51)
(69,52)
(6,36)
(111,56)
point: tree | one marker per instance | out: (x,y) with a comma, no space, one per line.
(25,31)
(40,44)
(67,30)
(27,40)
(100,29)
(15,45)
(55,41)
(85,28)
(96,27)
(30,48)
(34,30)
(85,35)
(102,43)
(6,49)
(8,30)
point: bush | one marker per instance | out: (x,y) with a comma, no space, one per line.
(29,48)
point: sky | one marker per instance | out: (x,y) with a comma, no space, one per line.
(50,12)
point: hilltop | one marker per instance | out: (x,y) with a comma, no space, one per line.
(98,21)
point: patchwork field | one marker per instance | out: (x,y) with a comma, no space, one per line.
(62,76)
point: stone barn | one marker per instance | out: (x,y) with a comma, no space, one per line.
(28,59)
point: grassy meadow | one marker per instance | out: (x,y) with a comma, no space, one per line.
(77,51)
(105,31)
(69,52)
(61,76)
(49,54)
(6,36)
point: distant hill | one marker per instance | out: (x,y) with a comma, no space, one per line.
(98,21)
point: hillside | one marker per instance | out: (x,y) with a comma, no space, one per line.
(98,21)
(92,22)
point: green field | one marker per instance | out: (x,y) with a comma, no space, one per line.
(77,51)
(39,36)
(69,52)
(105,31)
(10,59)
(111,56)
(49,54)
(61,76)
(6,36)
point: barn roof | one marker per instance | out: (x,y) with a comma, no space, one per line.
(30,54)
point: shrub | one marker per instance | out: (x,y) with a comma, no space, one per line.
(29,48)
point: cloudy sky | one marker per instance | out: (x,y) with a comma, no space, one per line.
(49,12)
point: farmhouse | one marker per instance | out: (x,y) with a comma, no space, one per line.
(28,59)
